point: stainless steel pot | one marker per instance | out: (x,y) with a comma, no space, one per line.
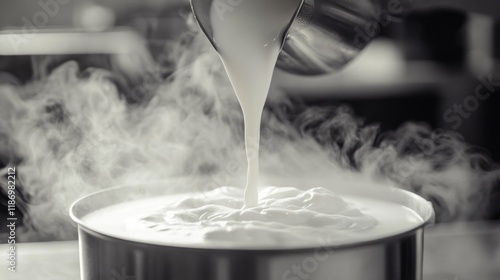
(107,257)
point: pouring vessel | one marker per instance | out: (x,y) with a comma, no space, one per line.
(323,36)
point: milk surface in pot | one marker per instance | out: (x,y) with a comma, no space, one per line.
(286,217)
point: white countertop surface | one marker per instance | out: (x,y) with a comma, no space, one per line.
(45,260)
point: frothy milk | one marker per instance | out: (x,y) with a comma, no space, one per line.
(248,35)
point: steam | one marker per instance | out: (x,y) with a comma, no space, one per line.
(74,131)
(436,164)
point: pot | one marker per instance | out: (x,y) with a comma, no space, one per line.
(110,257)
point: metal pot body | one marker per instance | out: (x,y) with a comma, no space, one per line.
(108,258)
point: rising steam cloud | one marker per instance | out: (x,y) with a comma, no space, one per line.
(74,131)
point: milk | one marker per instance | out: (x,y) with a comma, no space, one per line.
(248,36)
(286,217)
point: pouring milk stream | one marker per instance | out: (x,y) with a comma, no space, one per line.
(249,36)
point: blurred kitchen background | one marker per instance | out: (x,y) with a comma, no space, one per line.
(440,67)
